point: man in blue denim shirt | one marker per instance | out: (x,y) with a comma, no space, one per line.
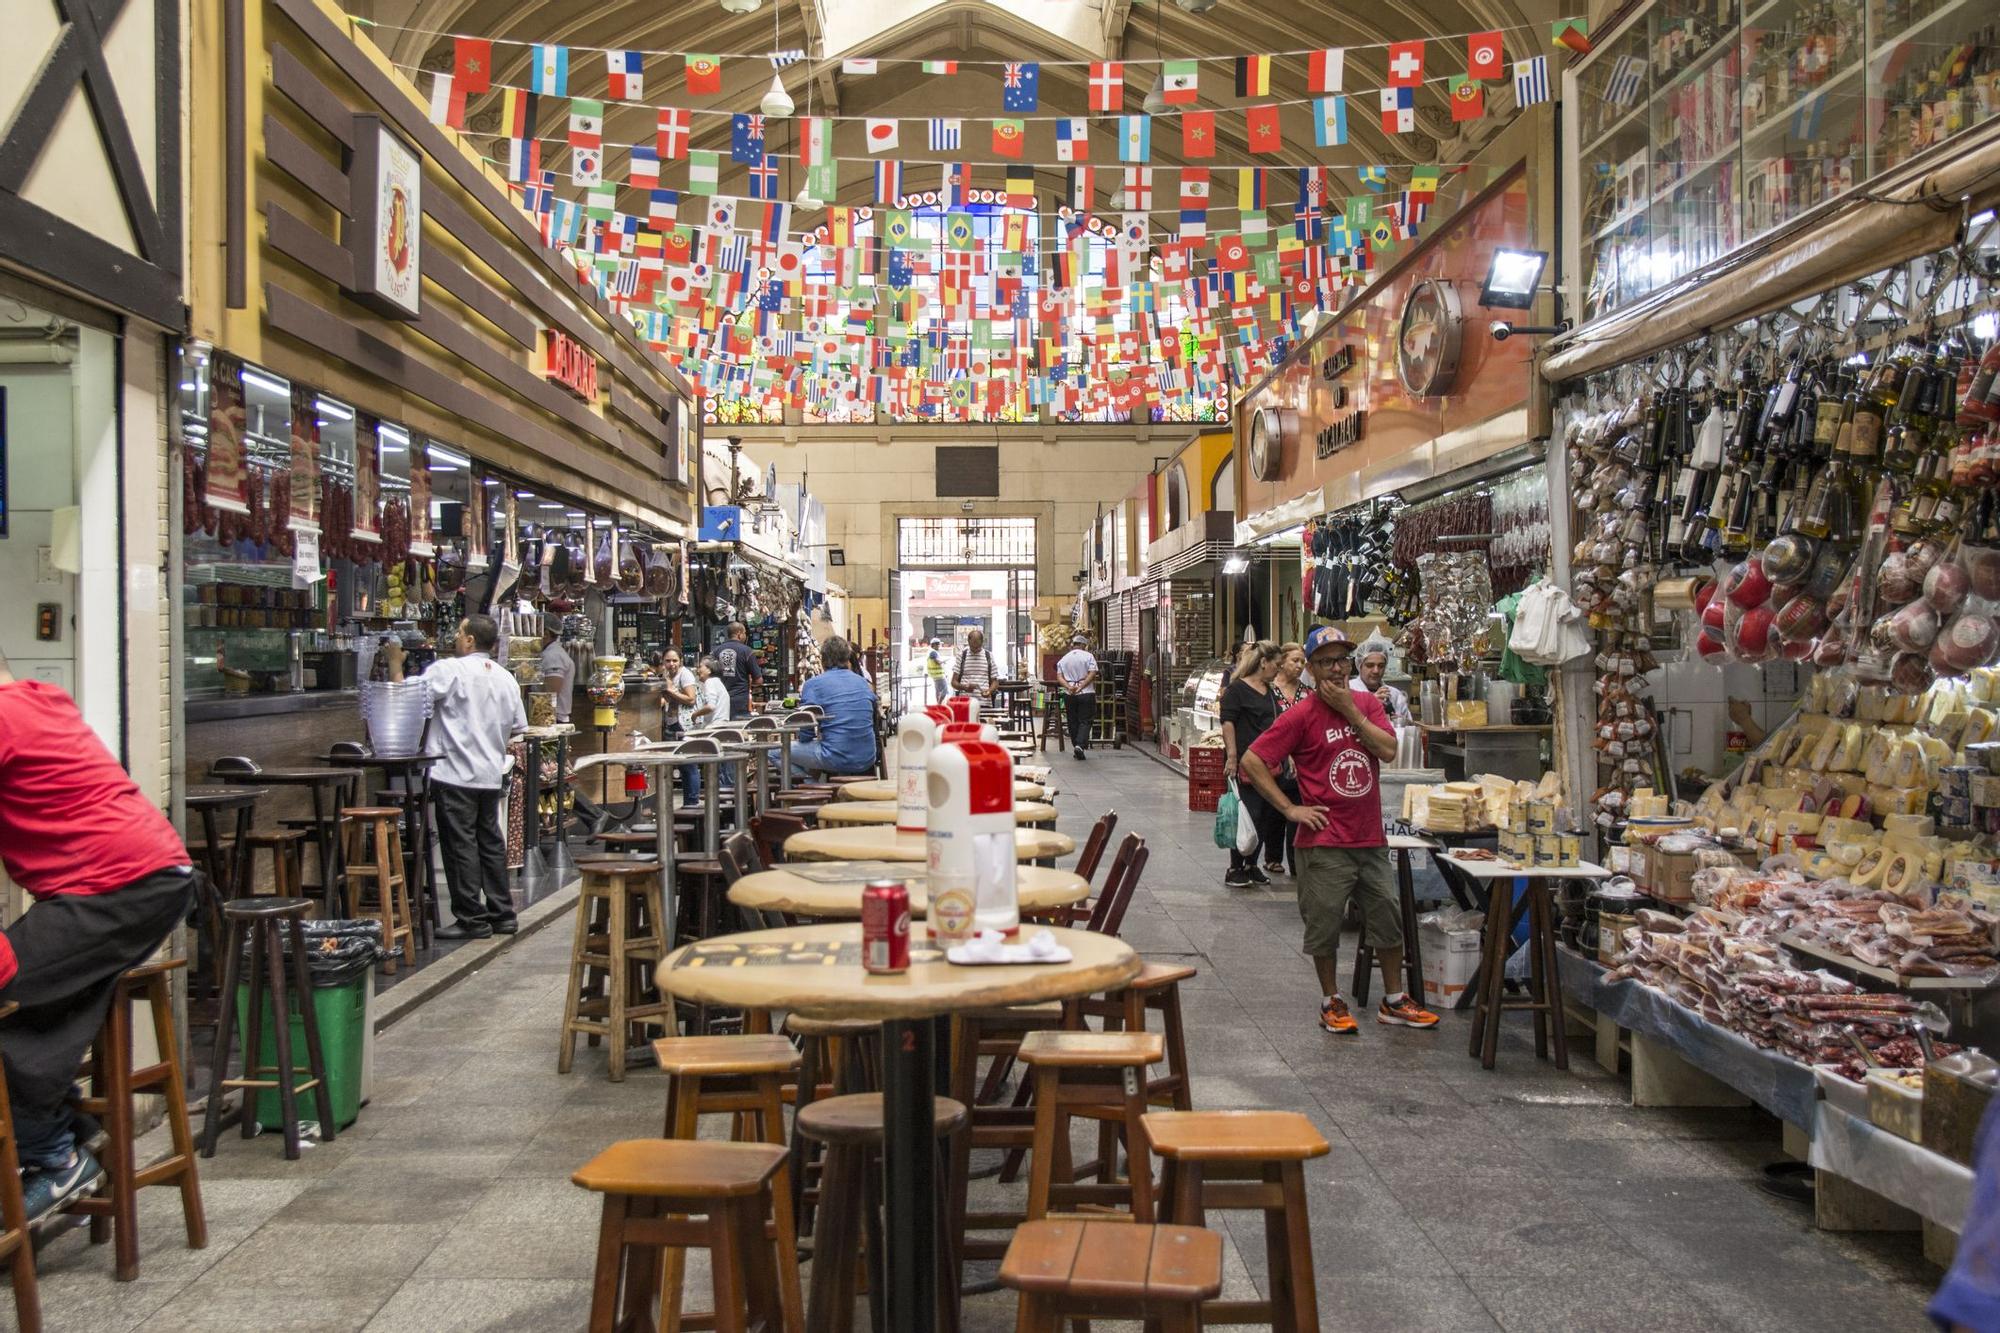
(1970,1295)
(846,740)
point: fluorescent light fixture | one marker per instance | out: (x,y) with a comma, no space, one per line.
(1512,277)
(576,513)
(1981,219)
(1986,324)
(342,412)
(488,481)
(524,495)
(188,386)
(1236,564)
(268,383)
(394,434)
(441,456)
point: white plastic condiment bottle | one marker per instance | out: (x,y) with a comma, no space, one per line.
(916,733)
(970,841)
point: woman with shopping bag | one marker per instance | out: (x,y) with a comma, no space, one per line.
(1249,706)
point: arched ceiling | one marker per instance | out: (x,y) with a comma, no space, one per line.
(974,30)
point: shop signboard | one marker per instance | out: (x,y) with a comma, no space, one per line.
(570,366)
(386,182)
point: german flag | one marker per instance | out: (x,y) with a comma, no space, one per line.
(1253,76)
(517,114)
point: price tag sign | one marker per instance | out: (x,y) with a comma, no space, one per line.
(305,559)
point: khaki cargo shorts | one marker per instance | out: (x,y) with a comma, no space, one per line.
(1327,875)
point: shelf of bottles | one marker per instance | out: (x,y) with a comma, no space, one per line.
(1702,124)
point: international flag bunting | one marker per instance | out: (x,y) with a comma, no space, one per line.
(746,137)
(857,66)
(600,202)
(1399,114)
(1107,86)
(721,215)
(777,224)
(763,178)
(1180,82)
(1020,85)
(586,166)
(1138,192)
(626,73)
(517,113)
(1374,178)
(447,101)
(815,141)
(670,134)
(1531,81)
(1253,76)
(883,135)
(1020,189)
(1250,188)
(704,171)
(888,181)
(1194,201)
(1326,69)
(823,179)
(1624,83)
(1572,33)
(940,67)
(1261,124)
(643,173)
(944,136)
(472,64)
(1406,64)
(1073,140)
(1484,56)
(954,184)
(1468,98)
(586,123)
(1197,134)
(663,208)
(550,70)
(1329,121)
(1083,188)
(704,75)
(1007,137)
(1424,182)
(524,159)
(1135,138)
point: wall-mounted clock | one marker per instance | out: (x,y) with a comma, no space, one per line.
(1428,345)
(1270,429)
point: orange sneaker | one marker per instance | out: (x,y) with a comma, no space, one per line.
(1333,1016)
(1405,1012)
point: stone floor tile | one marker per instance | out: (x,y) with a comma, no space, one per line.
(463,1305)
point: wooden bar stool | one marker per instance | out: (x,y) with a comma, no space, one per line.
(1054,725)
(1079,1269)
(628,842)
(262,924)
(375,862)
(675,1194)
(16,1247)
(743,1077)
(851,1128)
(837,1056)
(287,849)
(1100,1076)
(1254,1161)
(114,1212)
(994,1124)
(609,970)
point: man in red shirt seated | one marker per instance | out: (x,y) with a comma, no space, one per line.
(110,879)
(1338,740)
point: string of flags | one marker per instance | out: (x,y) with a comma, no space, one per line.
(950,300)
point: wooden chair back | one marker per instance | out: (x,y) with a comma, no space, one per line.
(738,855)
(770,829)
(1094,845)
(1107,914)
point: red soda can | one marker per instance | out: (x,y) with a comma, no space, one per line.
(885,926)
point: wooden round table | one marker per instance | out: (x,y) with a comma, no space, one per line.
(884,789)
(804,894)
(1026,813)
(816,970)
(881,842)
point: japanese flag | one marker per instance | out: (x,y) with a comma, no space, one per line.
(883,135)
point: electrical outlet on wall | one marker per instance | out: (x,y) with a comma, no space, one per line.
(45,565)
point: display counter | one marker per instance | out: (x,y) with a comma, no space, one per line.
(1512,750)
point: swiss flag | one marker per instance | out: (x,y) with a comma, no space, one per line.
(1406,64)
(1484,56)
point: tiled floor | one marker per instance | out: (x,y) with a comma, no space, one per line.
(1455,1199)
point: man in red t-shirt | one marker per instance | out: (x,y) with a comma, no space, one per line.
(110,879)
(1337,740)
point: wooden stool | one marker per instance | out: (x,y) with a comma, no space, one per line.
(627,895)
(1544,998)
(1054,725)
(15,1245)
(676,1194)
(994,1123)
(375,860)
(262,924)
(1071,1071)
(621,840)
(1114,1270)
(851,1128)
(114,1212)
(1247,1160)
(1157,989)
(744,1077)
(286,847)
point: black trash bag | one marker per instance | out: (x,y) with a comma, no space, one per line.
(338,951)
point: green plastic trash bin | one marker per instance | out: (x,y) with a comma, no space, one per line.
(343,1027)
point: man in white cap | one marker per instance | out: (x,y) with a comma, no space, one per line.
(1337,739)
(1077,671)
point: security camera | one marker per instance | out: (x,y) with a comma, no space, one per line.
(966,507)
(1502,331)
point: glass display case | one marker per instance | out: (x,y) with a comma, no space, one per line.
(1701,124)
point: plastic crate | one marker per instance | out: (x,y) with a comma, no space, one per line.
(1205,761)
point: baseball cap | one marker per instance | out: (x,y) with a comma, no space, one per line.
(1079,637)
(1326,636)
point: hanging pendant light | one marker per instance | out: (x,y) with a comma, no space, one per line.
(742,6)
(1156,100)
(777,102)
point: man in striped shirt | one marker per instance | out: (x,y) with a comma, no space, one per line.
(975,673)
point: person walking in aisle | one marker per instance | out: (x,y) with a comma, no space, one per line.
(1077,673)
(974,672)
(736,663)
(1337,738)
(558,668)
(1290,686)
(475,711)
(1249,706)
(1374,665)
(934,668)
(110,879)
(678,689)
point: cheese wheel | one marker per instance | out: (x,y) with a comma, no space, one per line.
(1902,873)
(1868,873)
